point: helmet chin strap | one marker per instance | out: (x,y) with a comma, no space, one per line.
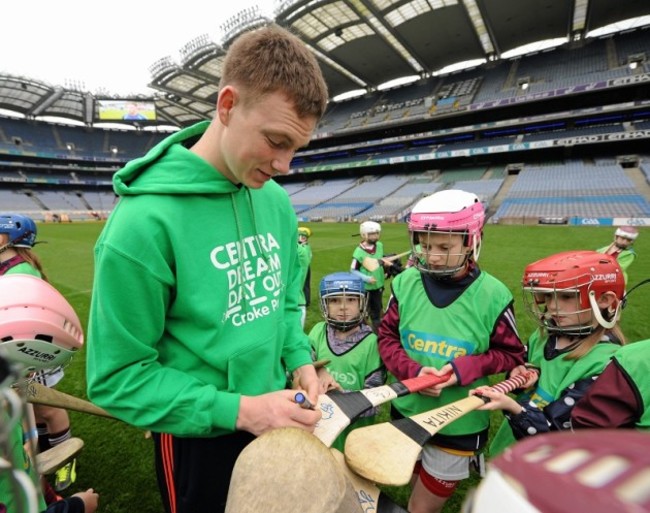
(477,248)
(599,316)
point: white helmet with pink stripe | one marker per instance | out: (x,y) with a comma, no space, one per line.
(447,212)
(627,232)
(38,327)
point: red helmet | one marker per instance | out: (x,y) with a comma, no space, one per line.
(586,275)
(38,327)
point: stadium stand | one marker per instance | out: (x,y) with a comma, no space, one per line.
(565,145)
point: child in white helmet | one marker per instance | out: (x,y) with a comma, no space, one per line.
(446,314)
(367,264)
(17,238)
(38,328)
(347,341)
(621,248)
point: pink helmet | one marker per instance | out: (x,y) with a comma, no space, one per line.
(449,211)
(38,327)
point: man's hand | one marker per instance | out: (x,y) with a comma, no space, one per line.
(259,414)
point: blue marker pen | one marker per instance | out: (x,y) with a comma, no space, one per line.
(303,401)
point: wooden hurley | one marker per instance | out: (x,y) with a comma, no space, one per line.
(39,394)
(48,462)
(288,470)
(386,453)
(372,264)
(371,498)
(340,409)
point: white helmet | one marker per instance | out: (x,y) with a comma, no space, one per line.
(450,212)
(368,227)
(627,232)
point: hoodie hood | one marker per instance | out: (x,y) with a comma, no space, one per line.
(171,155)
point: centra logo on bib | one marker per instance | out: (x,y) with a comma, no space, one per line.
(436,345)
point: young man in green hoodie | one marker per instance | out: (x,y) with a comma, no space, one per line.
(194,316)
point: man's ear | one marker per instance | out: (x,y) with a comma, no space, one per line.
(227,99)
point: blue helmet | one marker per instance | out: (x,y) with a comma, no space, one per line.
(20,229)
(338,285)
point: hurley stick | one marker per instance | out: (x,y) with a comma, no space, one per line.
(39,394)
(386,453)
(371,498)
(371,264)
(340,409)
(54,458)
(287,470)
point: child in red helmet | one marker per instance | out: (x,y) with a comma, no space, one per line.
(575,297)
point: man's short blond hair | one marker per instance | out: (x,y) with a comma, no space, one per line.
(272,59)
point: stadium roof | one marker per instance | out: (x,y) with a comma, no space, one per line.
(360,44)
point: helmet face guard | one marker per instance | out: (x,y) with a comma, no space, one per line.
(450,261)
(440,217)
(38,327)
(342,287)
(561,292)
(20,229)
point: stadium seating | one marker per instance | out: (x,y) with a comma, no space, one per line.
(63,166)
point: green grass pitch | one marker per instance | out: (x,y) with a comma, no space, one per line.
(117,459)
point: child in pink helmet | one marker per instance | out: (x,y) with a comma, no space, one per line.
(38,329)
(446,314)
(17,239)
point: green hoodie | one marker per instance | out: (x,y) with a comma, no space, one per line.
(195,298)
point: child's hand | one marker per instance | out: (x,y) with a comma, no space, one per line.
(436,390)
(497,400)
(327,381)
(522,369)
(90,498)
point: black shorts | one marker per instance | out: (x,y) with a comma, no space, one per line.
(194,473)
